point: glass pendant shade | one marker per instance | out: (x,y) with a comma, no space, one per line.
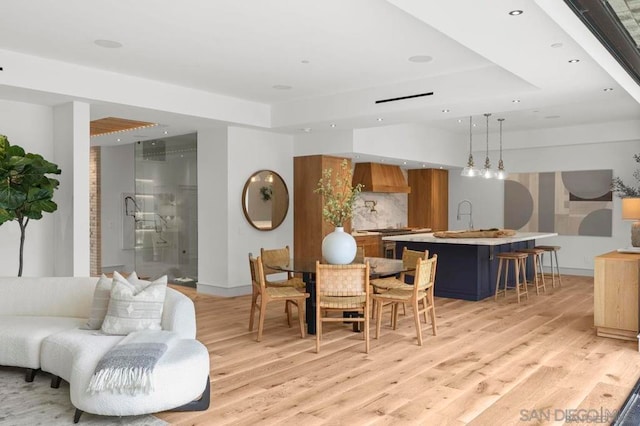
(501,173)
(470,170)
(487,173)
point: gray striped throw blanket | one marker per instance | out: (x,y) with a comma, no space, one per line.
(128,366)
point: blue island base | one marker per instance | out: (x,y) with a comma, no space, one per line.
(464,271)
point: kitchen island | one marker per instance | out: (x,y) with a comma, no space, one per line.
(467,267)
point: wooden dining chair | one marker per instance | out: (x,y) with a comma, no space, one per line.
(409,259)
(342,288)
(289,295)
(420,293)
(279,256)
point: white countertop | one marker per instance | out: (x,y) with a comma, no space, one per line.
(429,238)
(408,231)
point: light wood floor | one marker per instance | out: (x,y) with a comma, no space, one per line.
(490,364)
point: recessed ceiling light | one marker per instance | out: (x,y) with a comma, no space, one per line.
(382,161)
(404,162)
(281,87)
(118,140)
(109,44)
(380,118)
(446,110)
(441,167)
(516,12)
(516,101)
(307,129)
(424,165)
(165,132)
(332,125)
(153,143)
(421,58)
(608,89)
(459,120)
(556,45)
(574,61)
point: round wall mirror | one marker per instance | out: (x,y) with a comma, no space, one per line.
(265,200)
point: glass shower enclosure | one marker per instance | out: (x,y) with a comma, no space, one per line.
(165,206)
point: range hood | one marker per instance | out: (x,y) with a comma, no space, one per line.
(378,177)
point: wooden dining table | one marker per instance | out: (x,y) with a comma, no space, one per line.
(379,267)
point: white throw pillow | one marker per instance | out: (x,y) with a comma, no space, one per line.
(134,305)
(101,296)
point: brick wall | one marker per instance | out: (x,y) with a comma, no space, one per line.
(94,208)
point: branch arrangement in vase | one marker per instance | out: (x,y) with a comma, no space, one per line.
(339,194)
(622,190)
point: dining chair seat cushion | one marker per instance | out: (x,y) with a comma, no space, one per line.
(284,293)
(295,282)
(399,294)
(389,283)
(340,302)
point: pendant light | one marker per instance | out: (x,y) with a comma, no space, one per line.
(470,170)
(486,172)
(501,173)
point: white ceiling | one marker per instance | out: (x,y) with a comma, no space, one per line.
(338,56)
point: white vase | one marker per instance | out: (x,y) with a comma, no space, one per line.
(339,247)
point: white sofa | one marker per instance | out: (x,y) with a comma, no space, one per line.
(40,320)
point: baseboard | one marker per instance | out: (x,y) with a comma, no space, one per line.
(571,271)
(214,290)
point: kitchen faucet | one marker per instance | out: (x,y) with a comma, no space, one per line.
(465,214)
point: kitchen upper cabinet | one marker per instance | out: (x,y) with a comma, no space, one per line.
(428,201)
(309,227)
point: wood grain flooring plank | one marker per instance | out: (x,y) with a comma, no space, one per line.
(489,361)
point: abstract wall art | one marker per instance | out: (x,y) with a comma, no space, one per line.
(569,203)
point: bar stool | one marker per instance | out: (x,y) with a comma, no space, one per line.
(536,256)
(519,260)
(553,252)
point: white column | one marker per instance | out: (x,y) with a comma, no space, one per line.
(213,219)
(71,152)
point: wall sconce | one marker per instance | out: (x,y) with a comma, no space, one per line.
(631,211)
(371,205)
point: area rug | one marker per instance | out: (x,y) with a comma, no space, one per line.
(629,414)
(36,403)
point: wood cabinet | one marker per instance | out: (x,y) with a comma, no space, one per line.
(428,201)
(309,228)
(615,288)
(371,243)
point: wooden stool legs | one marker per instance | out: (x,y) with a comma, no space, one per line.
(536,256)
(519,260)
(553,256)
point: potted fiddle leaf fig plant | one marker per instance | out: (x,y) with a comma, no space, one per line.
(339,195)
(26,192)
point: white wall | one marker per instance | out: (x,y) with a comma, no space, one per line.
(250,151)
(562,153)
(117,177)
(415,142)
(29,126)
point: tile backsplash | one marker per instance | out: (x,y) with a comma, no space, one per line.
(390,211)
